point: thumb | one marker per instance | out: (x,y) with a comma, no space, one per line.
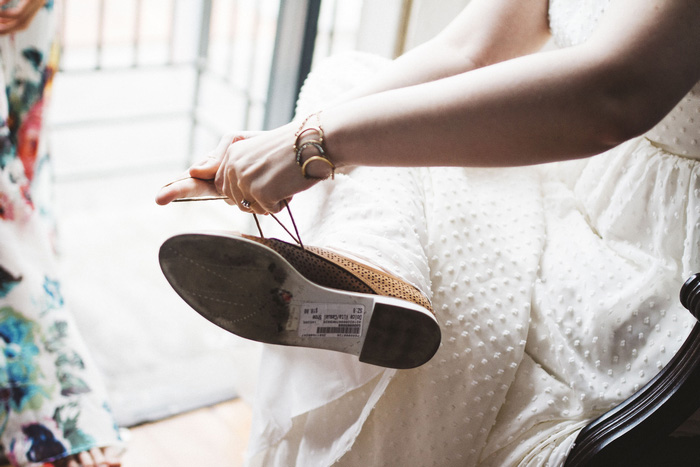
(206,169)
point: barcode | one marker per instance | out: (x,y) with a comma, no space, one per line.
(338,330)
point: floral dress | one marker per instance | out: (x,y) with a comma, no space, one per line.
(52,403)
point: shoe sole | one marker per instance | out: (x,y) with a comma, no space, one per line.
(250,290)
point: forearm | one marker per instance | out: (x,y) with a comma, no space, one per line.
(555,105)
(530,110)
(486,32)
(427,62)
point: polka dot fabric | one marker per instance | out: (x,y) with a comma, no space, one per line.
(483,257)
(679,132)
(556,289)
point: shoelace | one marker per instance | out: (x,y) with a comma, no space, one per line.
(296,238)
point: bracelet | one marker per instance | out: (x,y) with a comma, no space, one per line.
(318,129)
(315,143)
(301,133)
(317,158)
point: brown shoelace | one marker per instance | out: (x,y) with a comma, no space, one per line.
(296,238)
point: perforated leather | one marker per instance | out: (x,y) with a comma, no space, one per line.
(335,271)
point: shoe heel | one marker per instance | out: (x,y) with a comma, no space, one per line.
(399,337)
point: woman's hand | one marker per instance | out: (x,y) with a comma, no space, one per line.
(262,173)
(18,17)
(199,179)
(256,171)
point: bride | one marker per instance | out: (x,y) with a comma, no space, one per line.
(540,208)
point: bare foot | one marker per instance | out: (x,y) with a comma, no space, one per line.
(96,457)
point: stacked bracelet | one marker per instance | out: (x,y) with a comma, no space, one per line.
(312,143)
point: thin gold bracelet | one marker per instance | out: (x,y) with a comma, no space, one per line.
(299,134)
(302,130)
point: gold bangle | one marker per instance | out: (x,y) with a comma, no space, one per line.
(317,158)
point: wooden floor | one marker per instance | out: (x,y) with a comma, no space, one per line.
(213,436)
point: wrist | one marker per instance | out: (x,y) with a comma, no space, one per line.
(310,150)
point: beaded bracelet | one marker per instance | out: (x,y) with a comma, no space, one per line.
(315,143)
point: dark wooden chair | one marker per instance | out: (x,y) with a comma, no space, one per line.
(636,433)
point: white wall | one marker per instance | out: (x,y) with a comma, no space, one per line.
(379,25)
(428,17)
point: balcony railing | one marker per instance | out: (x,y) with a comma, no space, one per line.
(182,72)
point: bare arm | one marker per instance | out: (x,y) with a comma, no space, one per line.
(543,107)
(530,109)
(484,33)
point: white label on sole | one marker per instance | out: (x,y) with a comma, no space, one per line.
(331,320)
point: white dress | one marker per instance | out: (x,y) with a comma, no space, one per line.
(556,288)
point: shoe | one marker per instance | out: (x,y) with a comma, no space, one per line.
(275,292)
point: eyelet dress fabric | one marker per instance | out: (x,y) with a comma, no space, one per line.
(52,403)
(556,288)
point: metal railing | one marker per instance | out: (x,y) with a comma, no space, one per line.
(242,62)
(222,39)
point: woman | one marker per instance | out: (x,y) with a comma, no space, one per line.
(555,283)
(53,405)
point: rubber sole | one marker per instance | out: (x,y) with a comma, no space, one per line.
(250,290)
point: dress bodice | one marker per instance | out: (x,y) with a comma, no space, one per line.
(574,21)
(679,131)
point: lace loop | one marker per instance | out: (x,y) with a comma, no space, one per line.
(294,224)
(296,238)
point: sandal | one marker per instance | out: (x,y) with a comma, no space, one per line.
(276,292)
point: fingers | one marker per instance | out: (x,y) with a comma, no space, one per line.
(86,459)
(206,169)
(184,188)
(197,181)
(228,183)
(18,18)
(98,458)
(112,456)
(259,175)
(95,457)
(250,202)
(256,175)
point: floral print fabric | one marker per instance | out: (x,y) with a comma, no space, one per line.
(52,403)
